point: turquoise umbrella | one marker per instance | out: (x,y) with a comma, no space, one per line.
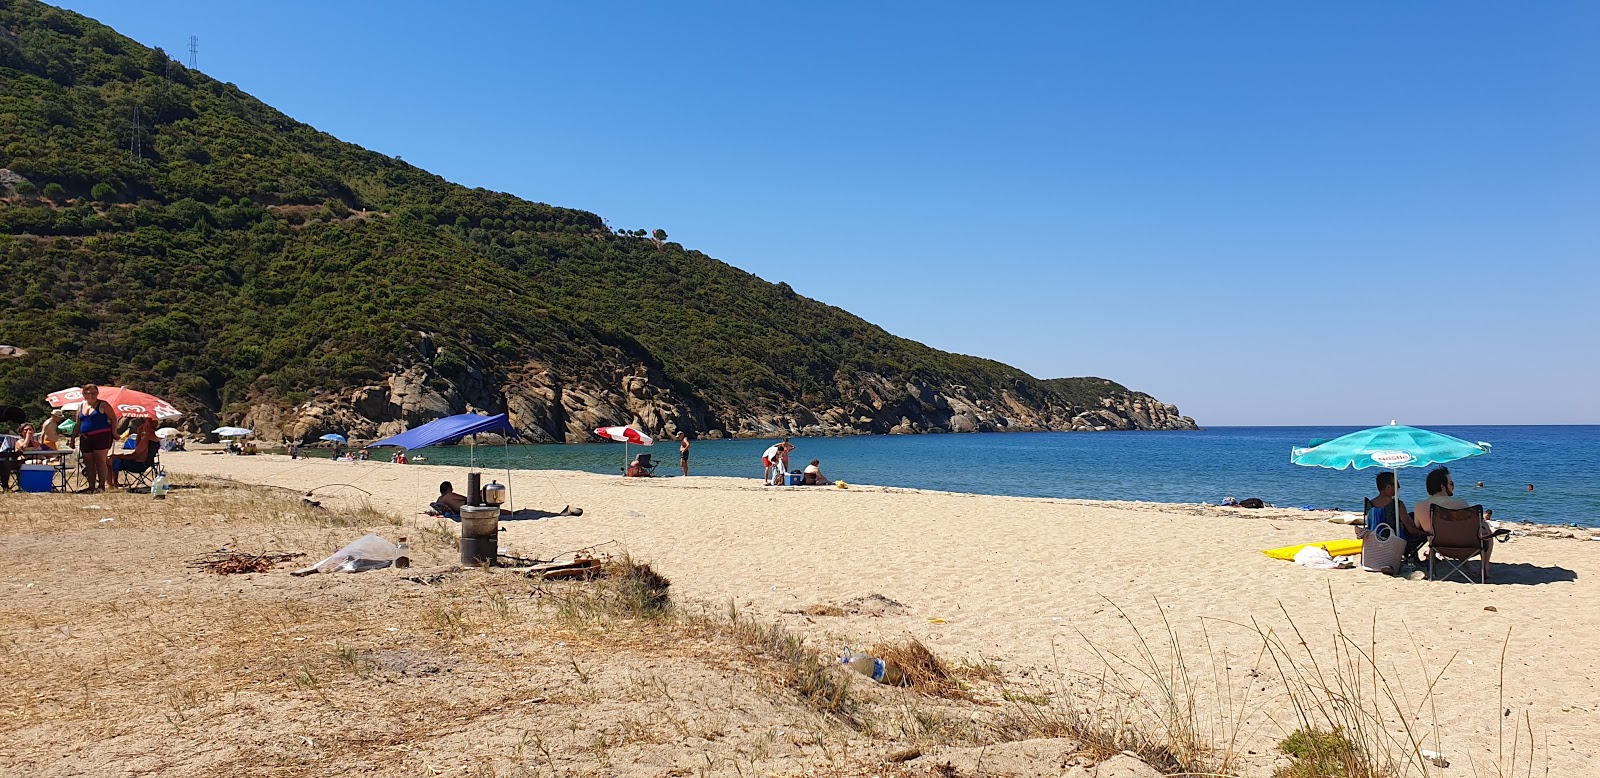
(1394,447)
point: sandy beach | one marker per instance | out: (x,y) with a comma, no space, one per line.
(1030,584)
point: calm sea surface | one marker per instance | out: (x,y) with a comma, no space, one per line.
(1562,462)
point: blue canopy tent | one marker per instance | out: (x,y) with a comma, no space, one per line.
(447,429)
(452,428)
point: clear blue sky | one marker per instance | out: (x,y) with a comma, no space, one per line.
(1266,213)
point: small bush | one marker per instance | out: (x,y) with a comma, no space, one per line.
(103,191)
(1319,754)
(639,591)
(54,191)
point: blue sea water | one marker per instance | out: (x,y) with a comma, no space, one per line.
(1563,463)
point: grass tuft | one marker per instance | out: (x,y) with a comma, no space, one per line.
(1318,754)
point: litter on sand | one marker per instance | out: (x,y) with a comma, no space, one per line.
(370,552)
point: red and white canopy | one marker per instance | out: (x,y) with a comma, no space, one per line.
(625,435)
(127,402)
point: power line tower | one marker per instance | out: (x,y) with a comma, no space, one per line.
(194,52)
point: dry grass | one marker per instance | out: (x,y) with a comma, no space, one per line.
(923,670)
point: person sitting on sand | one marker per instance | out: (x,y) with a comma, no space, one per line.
(449,503)
(637,470)
(1442,492)
(813,475)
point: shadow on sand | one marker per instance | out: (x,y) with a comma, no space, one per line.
(1514,573)
(533,514)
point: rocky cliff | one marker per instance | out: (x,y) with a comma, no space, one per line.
(548,408)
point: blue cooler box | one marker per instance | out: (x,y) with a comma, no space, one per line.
(37,478)
(795,479)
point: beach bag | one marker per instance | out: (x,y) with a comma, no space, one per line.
(1382,548)
(1252,502)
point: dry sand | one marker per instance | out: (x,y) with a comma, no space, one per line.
(1029,584)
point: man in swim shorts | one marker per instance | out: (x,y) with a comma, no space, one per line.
(683,451)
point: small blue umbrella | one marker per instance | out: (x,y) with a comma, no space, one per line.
(334,437)
(1394,447)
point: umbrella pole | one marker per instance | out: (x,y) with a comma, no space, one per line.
(511,494)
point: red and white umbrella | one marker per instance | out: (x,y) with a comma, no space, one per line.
(625,435)
(127,402)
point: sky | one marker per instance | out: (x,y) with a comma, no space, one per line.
(1265,213)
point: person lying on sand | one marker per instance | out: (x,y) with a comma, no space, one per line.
(449,503)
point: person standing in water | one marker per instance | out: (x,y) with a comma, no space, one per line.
(683,451)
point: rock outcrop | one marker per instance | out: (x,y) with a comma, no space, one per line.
(546,407)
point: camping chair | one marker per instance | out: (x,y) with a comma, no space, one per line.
(140,474)
(648,464)
(1456,539)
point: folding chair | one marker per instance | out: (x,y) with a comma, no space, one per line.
(140,474)
(1456,539)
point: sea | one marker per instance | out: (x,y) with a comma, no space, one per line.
(1562,463)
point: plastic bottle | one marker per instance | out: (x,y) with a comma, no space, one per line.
(158,487)
(872,667)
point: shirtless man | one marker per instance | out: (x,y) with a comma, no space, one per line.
(449,500)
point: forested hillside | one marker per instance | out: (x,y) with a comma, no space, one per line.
(164,230)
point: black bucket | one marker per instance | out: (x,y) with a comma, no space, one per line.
(477,552)
(480,535)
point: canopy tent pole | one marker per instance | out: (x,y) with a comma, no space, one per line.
(511,494)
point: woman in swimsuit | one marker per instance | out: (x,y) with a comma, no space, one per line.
(96,422)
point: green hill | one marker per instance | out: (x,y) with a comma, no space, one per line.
(164,230)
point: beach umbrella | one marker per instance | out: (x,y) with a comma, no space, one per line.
(127,402)
(626,435)
(1394,447)
(230,432)
(168,432)
(333,437)
(12,352)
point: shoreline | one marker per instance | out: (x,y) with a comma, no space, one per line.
(1329,515)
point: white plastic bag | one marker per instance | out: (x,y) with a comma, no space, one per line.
(369,552)
(1315,556)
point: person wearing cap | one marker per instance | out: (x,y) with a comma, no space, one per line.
(50,431)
